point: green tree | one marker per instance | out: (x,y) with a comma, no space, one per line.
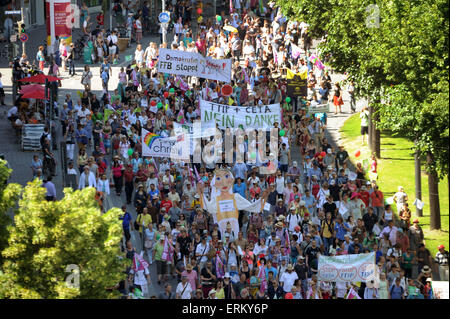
(50,237)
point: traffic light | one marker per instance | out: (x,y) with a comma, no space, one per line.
(20,28)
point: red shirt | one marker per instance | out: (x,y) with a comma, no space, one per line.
(377,198)
(128,174)
(167,204)
(365,197)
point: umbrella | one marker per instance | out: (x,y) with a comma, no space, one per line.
(40,78)
(230,28)
(33,91)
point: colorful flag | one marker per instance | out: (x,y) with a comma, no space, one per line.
(181,84)
(230,101)
(296,51)
(139,262)
(180,117)
(167,250)
(106,114)
(219,266)
(352,294)
(262,277)
(314,59)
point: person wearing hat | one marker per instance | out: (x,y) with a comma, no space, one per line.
(293,172)
(293,219)
(140,198)
(423,257)
(184,289)
(397,291)
(228,289)
(371,290)
(416,235)
(212,294)
(400,198)
(288,278)
(441,260)
(342,156)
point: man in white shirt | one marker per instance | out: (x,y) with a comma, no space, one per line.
(288,278)
(184,289)
(201,252)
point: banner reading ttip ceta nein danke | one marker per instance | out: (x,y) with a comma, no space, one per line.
(347,268)
(174,147)
(58,15)
(194,64)
(257,117)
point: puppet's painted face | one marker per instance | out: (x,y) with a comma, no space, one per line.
(224,181)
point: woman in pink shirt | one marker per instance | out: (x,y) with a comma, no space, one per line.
(117,173)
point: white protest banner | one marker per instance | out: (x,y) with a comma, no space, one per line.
(347,268)
(440,289)
(257,117)
(193,131)
(194,64)
(174,147)
(205,129)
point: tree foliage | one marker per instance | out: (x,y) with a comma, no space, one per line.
(402,61)
(47,237)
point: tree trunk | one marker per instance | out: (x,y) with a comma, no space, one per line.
(418,176)
(374,134)
(433,190)
(370,133)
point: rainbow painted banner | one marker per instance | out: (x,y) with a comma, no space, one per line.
(174,147)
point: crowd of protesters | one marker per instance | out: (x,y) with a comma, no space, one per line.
(318,204)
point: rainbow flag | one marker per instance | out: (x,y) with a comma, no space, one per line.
(262,277)
(314,59)
(167,250)
(181,84)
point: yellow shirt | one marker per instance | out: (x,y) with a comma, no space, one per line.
(326,231)
(143,219)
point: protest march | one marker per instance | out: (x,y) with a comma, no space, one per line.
(215,144)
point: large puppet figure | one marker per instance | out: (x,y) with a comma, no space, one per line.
(225,205)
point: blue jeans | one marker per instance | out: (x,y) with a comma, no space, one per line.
(327,242)
(71,67)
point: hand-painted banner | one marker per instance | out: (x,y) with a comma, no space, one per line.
(347,268)
(194,64)
(258,117)
(174,147)
(193,131)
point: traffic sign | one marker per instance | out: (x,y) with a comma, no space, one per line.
(164,17)
(24,37)
(13,38)
(12,12)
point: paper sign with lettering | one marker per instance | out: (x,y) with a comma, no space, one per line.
(194,64)
(257,117)
(347,268)
(174,147)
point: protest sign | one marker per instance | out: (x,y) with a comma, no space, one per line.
(257,117)
(174,147)
(440,289)
(347,268)
(194,64)
(297,84)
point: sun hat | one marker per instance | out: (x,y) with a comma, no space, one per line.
(428,280)
(416,221)
(227,275)
(279,224)
(212,291)
(189,267)
(302,203)
(426,269)
(441,247)
(354,195)
(281,217)
(294,163)
(289,267)
(297,228)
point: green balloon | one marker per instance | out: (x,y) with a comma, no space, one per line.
(219,18)
(159,105)
(172,90)
(130,151)
(282,133)
(253,155)
(288,99)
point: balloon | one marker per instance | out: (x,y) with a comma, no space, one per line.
(172,90)
(153,103)
(130,151)
(282,133)
(323,154)
(166,94)
(199,11)
(159,105)
(357,153)
(288,99)
(253,155)
(219,18)
(200,19)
